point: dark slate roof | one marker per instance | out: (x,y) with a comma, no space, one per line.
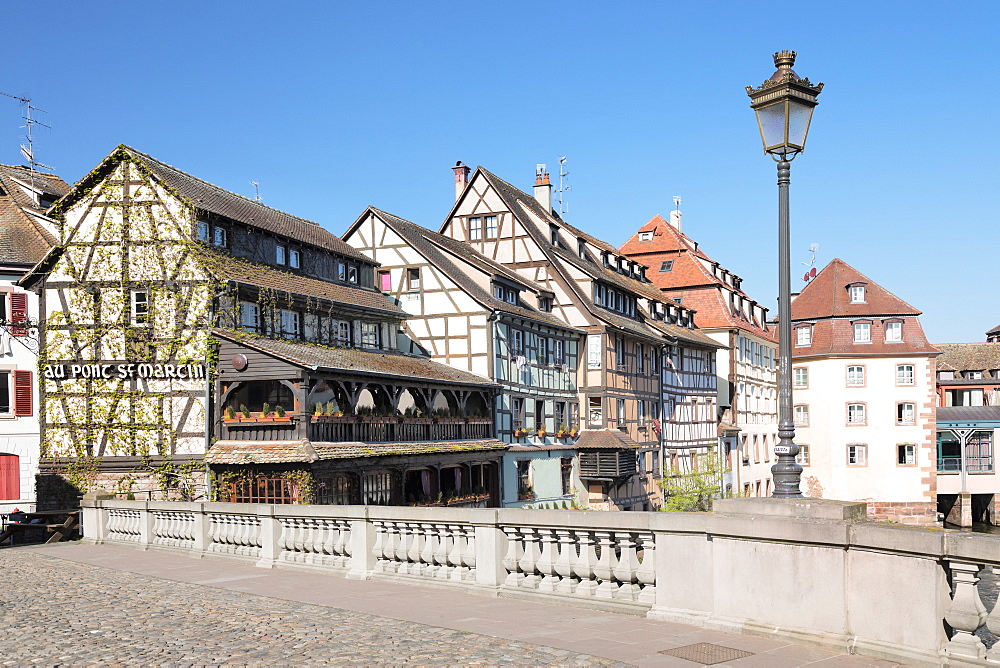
(23,239)
(226,267)
(604,439)
(968,414)
(436,247)
(995,330)
(968,356)
(207,197)
(281,452)
(351,360)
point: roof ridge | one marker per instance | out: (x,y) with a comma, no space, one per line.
(146,156)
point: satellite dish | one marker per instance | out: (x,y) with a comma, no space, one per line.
(806,277)
(812,273)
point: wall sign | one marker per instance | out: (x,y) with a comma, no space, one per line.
(240,362)
(122,371)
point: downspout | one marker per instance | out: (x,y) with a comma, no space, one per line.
(209,377)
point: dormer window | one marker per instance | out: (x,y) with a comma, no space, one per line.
(554,235)
(352,273)
(506,294)
(219,237)
(645,236)
(862,332)
(201,231)
(803,335)
(857,294)
(581,248)
(545,303)
(280,255)
(666,265)
(294,259)
(894,331)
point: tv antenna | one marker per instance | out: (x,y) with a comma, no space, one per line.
(28,150)
(256,190)
(677,202)
(563,186)
(811,274)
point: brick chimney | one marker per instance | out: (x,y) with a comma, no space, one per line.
(543,189)
(461,178)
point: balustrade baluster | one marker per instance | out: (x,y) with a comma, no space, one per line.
(626,571)
(345,548)
(564,564)
(283,542)
(647,569)
(512,559)
(431,537)
(547,561)
(456,569)
(966,613)
(529,560)
(394,546)
(379,548)
(993,623)
(403,545)
(583,566)
(412,565)
(300,535)
(445,543)
(605,566)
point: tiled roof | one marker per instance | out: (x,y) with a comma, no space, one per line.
(603,439)
(211,198)
(352,360)
(995,330)
(968,414)
(827,295)
(281,452)
(968,356)
(23,240)
(530,447)
(689,279)
(226,267)
(436,247)
(836,336)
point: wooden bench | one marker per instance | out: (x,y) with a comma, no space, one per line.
(59,531)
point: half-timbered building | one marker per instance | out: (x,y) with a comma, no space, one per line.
(632,332)
(747,361)
(177,313)
(26,235)
(475,314)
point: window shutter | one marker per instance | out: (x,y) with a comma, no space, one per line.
(19,313)
(22,393)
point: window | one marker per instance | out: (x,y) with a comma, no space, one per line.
(654,362)
(904,374)
(201,231)
(856,414)
(376,488)
(294,259)
(340,332)
(475,226)
(517,410)
(544,350)
(857,455)
(506,294)
(545,304)
(803,335)
(341,271)
(862,332)
(803,457)
(640,358)
(581,248)
(140,308)
(893,332)
(219,236)
(280,256)
(800,377)
(384,281)
(524,490)
(645,236)
(566,471)
(857,294)
(906,413)
(352,273)
(16,392)
(666,265)
(640,412)
(559,416)
(491,227)
(621,412)
(539,414)
(370,335)
(413,279)
(516,341)
(289,324)
(249,317)
(553,235)
(855,376)
(801,415)
(906,454)
(973,375)
(620,352)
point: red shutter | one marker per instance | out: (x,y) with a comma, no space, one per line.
(19,313)
(10,481)
(22,393)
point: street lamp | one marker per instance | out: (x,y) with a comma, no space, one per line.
(784,105)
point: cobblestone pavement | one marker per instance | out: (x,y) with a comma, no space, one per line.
(54,611)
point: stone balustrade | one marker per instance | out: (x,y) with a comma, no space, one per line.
(813,571)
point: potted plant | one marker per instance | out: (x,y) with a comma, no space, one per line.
(230,415)
(265,411)
(540,432)
(562,432)
(520,432)
(280,415)
(245,415)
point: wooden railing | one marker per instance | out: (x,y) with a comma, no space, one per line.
(364,430)
(814,571)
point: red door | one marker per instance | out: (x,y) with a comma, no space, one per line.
(10,480)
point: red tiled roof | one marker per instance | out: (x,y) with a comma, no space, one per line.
(968,356)
(282,452)
(827,296)
(604,439)
(836,336)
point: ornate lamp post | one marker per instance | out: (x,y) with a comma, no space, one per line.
(784,105)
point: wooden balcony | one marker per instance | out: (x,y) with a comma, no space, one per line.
(329,429)
(608,464)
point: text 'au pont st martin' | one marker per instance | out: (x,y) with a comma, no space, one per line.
(122,371)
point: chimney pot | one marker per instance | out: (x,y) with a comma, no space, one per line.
(461,178)
(543,188)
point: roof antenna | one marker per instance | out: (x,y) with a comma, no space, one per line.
(28,151)
(811,274)
(563,186)
(256,190)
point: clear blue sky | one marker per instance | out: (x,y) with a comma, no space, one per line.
(336,105)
